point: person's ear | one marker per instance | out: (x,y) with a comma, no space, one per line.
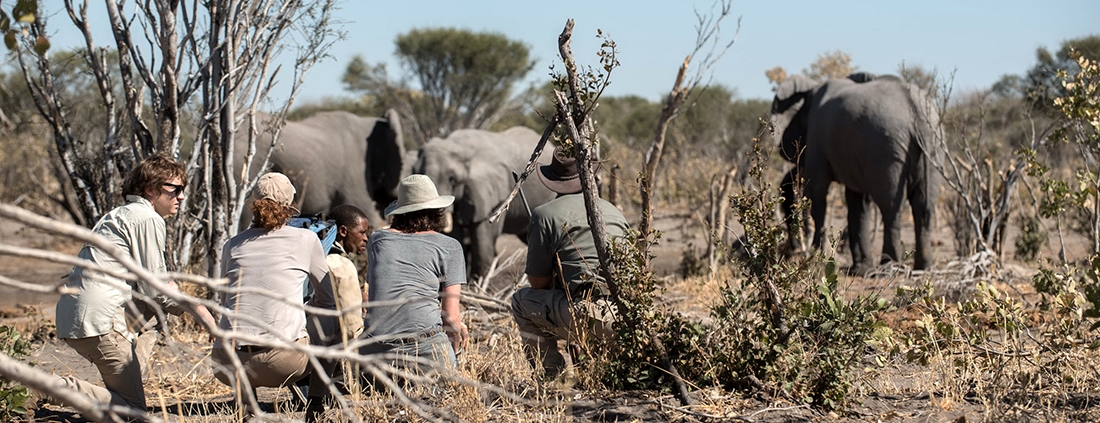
(150,193)
(342,231)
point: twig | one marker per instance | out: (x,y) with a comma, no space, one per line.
(770,409)
(689,412)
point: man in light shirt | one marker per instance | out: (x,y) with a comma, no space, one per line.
(99,318)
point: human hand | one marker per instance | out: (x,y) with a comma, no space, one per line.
(460,337)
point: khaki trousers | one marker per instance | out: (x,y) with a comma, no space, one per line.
(544,316)
(117,361)
(264,367)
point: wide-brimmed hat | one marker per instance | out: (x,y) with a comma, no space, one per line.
(562,174)
(417,192)
(276,187)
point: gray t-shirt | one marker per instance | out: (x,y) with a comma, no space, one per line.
(276,263)
(405,277)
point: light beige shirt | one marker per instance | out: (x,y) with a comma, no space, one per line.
(277,263)
(347,290)
(100,303)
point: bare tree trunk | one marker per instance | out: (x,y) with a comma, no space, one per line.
(652,160)
(573,114)
(708,32)
(718,215)
(217,150)
(84,181)
(168,115)
(141,141)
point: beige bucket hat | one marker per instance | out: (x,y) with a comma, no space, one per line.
(417,192)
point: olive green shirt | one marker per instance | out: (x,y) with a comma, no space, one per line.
(560,229)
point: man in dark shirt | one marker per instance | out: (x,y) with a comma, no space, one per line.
(563,269)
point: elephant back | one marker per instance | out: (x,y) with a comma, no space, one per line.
(323,154)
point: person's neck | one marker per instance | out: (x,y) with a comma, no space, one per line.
(403,232)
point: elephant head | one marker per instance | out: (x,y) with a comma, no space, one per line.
(476,167)
(335,158)
(789,115)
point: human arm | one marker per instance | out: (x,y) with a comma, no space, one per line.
(320,277)
(452,318)
(541,282)
(346,286)
(205,315)
(147,243)
(538,268)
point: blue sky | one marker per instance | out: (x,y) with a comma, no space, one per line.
(978,40)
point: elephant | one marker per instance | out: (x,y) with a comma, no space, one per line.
(881,138)
(335,158)
(476,167)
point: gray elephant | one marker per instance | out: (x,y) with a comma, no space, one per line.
(336,158)
(878,136)
(476,167)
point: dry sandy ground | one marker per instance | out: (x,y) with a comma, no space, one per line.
(33,314)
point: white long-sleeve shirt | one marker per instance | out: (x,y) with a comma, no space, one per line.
(99,304)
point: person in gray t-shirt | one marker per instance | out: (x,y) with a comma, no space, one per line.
(415,280)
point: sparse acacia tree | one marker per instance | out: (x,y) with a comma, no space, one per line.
(776,75)
(465,79)
(831,64)
(1042,83)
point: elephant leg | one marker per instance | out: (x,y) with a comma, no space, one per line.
(923,208)
(859,230)
(891,233)
(818,193)
(483,248)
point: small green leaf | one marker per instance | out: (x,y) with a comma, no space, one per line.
(5,22)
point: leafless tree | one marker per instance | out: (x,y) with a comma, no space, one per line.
(983,185)
(709,42)
(218,60)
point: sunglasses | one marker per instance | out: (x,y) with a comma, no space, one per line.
(175,190)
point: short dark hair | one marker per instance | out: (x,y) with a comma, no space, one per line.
(268,214)
(347,215)
(419,221)
(151,173)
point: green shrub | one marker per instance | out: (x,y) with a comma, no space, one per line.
(13,396)
(782,326)
(1031,239)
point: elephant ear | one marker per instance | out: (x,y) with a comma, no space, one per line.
(385,154)
(791,91)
